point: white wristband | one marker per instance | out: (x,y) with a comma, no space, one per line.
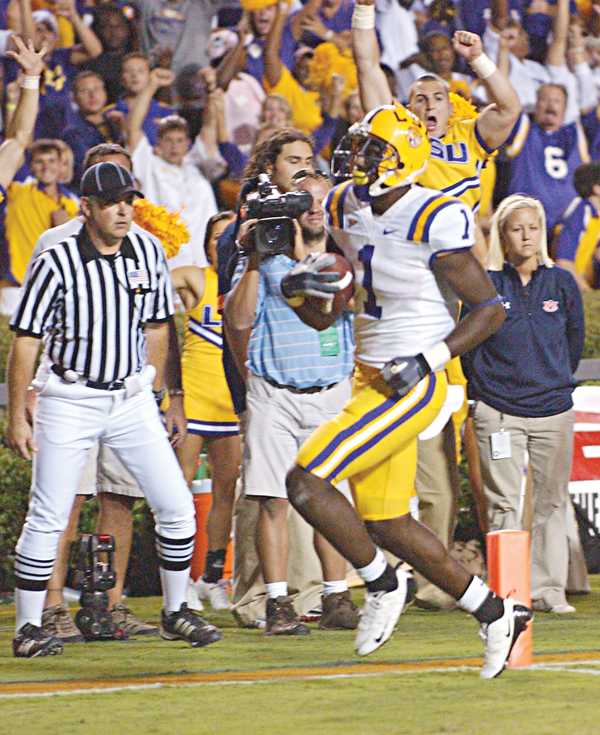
(437,356)
(483,66)
(363,17)
(30,82)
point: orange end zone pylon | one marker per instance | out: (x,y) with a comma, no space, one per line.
(509,575)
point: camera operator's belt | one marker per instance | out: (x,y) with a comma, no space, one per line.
(293,389)
(70,376)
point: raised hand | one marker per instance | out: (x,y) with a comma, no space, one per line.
(30,60)
(160,77)
(468,45)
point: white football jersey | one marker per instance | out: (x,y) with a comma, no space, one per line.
(402,309)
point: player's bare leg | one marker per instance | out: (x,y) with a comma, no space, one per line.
(328,511)
(331,514)
(414,543)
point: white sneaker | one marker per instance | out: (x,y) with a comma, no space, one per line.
(379,616)
(501,635)
(192,599)
(563,609)
(215,593)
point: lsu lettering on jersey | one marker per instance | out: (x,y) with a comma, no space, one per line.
(207,400)
(403,308)
(456,163)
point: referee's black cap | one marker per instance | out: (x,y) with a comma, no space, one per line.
(107,181)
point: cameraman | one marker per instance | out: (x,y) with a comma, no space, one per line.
(297,377)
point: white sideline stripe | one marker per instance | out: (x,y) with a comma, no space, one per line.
(282,680)
(586,427)
(310,677)
(569,668)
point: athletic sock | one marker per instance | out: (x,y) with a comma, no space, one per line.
(333,587)
(387,582)
(174,587)
(276,589)
(491,609)
(29,606)
(480,601)
(374,568)
(214,566)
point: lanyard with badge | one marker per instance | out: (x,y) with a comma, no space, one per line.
(500,442)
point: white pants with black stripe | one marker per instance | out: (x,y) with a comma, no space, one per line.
(70,419)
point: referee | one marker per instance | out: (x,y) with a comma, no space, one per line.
(101,302)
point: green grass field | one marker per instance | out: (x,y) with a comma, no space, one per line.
(251,684)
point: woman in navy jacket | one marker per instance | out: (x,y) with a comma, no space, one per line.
(521,381)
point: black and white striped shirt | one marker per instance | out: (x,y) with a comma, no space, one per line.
(90,308)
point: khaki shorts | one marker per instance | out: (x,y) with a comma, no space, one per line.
(277,423)
(105,473)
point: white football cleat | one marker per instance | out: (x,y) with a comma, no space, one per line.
(501,635)
(379,616)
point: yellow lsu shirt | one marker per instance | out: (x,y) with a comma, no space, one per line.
(306,111)
(456,163)
(28,214)
(207,401)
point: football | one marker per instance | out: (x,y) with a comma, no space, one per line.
(330,309)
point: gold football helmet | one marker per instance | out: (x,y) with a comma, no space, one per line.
(387,149)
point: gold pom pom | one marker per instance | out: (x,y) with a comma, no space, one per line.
(326,62)
(462,109)
(168,227)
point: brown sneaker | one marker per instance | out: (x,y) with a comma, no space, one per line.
(339,612)
(282,618)
(124,619)
(57,622)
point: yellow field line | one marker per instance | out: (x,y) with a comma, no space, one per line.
(81,686)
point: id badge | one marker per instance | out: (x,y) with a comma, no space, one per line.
(329,342)
(500,445)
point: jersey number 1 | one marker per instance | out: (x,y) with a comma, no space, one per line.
(365,255)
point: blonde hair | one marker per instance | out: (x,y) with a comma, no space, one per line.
(496,256)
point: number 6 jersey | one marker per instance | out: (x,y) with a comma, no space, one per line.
(402,309)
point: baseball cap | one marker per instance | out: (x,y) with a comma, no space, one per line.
(107,180)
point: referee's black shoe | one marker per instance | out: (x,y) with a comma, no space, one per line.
(32,641)
(188,626)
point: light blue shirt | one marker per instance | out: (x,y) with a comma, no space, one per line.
(284,349)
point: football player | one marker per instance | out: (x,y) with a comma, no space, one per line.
(409,246)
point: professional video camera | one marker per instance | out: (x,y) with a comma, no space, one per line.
(276,212)
(94,576)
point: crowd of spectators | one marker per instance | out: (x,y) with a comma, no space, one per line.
(191,87)
(197,84)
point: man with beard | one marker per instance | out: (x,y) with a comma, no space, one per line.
(296,378)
